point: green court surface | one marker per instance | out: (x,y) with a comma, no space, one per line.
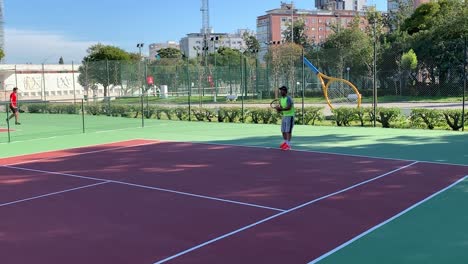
(434,232)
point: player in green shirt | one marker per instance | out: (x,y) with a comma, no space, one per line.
(286,107)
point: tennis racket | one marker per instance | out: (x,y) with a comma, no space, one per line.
(336,90)
(275,103)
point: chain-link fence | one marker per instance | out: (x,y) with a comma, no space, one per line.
(209,90)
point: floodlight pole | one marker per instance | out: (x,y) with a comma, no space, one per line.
(139,46)
(374,87)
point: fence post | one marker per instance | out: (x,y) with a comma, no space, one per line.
(245,77)
(82,115)
(242,84)
(147,104)
(43,83)
(142,111)
(8,121)
(256,75)
(145,86)
(303,86)
(74,86)
(267,79)
(189,87)
(106,89)
(464,83)
(230,77)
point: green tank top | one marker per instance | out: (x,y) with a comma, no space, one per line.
(284,104)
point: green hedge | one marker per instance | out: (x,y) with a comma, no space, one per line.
(454,119)
(427,118)
(342,116)
(311,115)
(46,108)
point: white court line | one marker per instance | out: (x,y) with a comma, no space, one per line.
(95,132)
(146,187)
(280,214)
(81,153)
(54,193)
(201,196)
(314,151)
(386,222)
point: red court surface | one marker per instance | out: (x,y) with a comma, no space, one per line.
(154,202)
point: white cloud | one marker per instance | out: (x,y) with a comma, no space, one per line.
(29,46)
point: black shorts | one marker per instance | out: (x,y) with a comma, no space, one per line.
(13,109)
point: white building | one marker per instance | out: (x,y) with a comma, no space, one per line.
(46,82)
(155,47)
(192,45)
(355,5)
(393,6)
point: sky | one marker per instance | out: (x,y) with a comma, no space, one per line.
(43,31)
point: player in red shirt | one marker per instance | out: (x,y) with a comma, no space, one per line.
(14,106)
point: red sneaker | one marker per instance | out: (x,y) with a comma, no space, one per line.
(283,145)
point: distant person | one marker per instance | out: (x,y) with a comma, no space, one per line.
(286,107)
(14,106)
(158,92)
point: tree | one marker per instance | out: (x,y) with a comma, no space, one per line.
(409,62)
(283,60)
(101,66)
(134,56)
(253,46)
(392,46)
(101,52)
(349,47)
(299,29)
(170,53)
(2,54)
(61,60)
(435,33)
(228,57)
(422,18)
(404,11)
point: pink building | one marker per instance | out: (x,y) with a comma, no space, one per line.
(319,23)
(419,2)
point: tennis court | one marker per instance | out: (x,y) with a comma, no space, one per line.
(164,195)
